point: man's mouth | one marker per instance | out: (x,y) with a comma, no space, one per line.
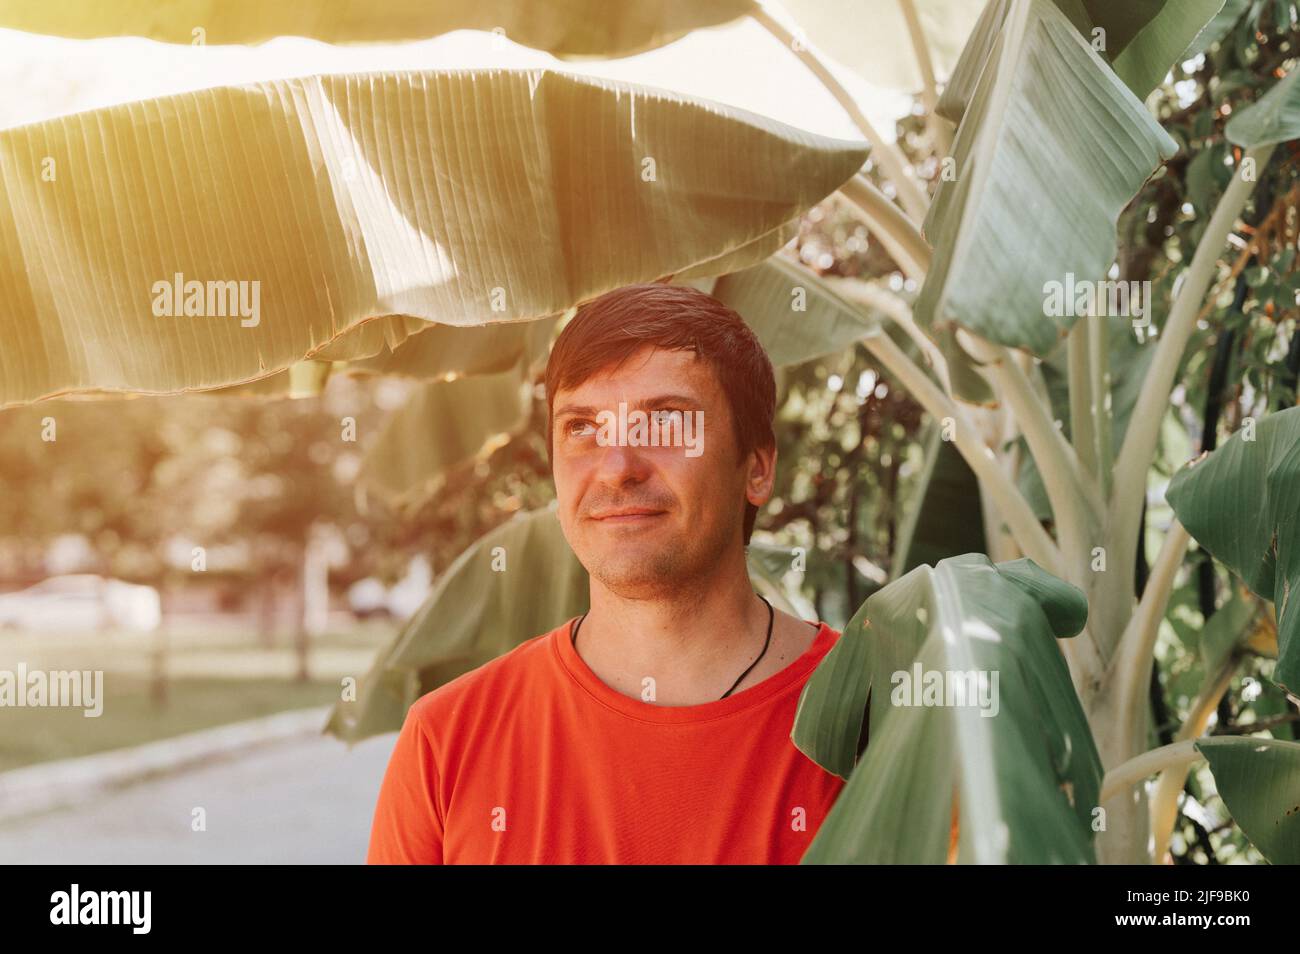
(627,515)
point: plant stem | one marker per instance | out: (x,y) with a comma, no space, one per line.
(1019,517)
(929,89)
(1135,653)
(915,32)
(898,311)
(910,194)
(1056,459)
(1102,407)
(1148,763)
(888,223)
(1134,461)
(1081,396)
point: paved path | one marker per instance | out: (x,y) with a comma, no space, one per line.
(302,801)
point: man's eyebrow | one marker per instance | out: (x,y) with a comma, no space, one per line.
(669,399)
(574,409)
(657,401)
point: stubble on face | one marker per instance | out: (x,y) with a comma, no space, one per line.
(654,569)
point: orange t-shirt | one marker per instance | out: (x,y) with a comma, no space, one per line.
(532,759)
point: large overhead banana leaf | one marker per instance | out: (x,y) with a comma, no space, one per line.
(1240,503)
(1051,135)
(1259,781)
(462,197)
(518,581)
(441,350)
(794,313)
(427,351)
(575,28)
(1021,764)
(424,350)
(303,379)
(402,346)
(372,338)
(740,256)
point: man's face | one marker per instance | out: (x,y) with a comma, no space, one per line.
(645,519)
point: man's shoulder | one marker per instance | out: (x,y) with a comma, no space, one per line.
(832,634)
(823,639)
(489,682)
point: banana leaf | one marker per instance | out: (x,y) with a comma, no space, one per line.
(1051,135)
(464,197)
(1239,502)
(1014,751)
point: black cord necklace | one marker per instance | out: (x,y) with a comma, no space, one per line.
(771,618)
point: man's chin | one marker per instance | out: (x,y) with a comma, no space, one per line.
(632,571)
(638,586)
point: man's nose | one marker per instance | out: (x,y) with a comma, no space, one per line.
(620,464)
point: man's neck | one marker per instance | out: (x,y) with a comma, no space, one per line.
(693,643)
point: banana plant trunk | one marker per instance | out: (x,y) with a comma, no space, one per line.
(1119,718)
(1125,837)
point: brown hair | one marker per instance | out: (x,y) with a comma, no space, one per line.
(606,330)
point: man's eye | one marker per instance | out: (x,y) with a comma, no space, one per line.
(579,428)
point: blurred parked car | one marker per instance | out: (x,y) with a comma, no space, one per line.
(369,598)
(81,601)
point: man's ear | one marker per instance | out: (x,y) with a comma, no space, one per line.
(762,475)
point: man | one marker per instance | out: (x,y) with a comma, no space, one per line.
(656,728)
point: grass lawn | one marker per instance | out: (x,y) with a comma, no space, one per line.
(212,680)
(130,717)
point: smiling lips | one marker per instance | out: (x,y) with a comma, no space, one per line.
(627,515)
